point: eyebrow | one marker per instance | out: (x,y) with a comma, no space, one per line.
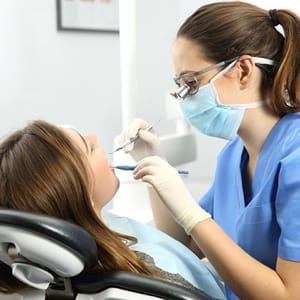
(185,72)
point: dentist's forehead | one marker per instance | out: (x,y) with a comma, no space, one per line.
(187,56)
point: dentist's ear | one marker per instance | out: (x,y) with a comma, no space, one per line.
(246,67)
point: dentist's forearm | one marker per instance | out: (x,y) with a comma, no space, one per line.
(246,276)
(164,221)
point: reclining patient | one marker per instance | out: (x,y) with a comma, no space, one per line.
(54,170)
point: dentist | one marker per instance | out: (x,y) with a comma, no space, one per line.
(238,79)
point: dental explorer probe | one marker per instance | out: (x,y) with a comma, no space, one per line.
(130,141)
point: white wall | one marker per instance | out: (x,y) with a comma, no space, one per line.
(63,77)
(156,25)
(74,77)
(157,22)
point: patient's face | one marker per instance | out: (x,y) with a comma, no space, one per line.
(106,183)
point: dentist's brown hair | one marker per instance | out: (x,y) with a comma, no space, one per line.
(228,29)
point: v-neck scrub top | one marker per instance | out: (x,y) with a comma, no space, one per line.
(267,225)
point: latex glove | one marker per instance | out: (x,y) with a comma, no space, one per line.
(171,189)
(146,145)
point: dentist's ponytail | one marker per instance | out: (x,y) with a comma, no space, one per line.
(221,33)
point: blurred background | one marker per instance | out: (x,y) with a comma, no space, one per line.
(76,77)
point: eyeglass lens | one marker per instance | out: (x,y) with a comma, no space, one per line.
(190,80)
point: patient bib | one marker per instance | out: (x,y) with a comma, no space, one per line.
(168,254)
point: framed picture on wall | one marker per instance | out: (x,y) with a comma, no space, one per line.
(88,15)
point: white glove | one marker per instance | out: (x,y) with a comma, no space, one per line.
(171,189)
(146,145)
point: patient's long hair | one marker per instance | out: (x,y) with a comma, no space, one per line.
(42,171)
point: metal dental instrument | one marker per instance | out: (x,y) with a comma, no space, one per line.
(130,141)
(131,168)
(181,92)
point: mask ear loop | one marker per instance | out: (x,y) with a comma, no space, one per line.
(219,75)
(261,60)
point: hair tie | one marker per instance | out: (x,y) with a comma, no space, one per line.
(274,17)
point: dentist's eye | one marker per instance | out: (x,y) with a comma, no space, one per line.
(193,85)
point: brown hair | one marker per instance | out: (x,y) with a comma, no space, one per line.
(229,29)
(42,171)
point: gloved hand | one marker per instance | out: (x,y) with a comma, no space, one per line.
(146,145)
(171,189)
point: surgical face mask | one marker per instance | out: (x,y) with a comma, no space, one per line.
(206,113)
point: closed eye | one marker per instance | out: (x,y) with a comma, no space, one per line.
(92,147)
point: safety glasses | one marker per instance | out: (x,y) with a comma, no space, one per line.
(188,83)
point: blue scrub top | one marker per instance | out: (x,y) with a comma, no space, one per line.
(267,225)
(168,254)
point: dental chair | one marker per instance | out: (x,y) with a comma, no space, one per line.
(52,257)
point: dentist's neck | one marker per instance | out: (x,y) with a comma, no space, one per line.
(255,128)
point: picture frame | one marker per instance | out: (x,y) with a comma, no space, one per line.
(88,15)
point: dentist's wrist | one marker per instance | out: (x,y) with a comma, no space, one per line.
(191,216)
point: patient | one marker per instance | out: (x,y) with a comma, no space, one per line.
(56,171)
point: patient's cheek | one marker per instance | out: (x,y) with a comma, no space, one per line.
(103,168)
(105,175)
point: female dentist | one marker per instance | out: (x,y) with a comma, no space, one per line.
(238,79)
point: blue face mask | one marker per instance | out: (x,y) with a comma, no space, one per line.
(206,113)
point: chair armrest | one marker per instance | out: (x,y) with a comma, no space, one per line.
(97,282)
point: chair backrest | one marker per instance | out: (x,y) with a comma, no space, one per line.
(51,256)
(41,250)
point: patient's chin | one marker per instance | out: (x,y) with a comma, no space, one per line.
(114,188)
